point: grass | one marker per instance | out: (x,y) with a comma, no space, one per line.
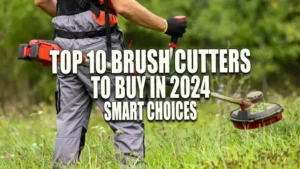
(259,107)
(27,141)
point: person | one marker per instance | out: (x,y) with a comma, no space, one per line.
(77,27)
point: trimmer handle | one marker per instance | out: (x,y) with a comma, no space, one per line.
(174,40)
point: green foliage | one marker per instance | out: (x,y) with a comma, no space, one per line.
(20,22)
(269,28)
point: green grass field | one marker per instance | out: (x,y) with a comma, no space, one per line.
(27,141)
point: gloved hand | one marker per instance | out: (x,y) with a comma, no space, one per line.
(175,27)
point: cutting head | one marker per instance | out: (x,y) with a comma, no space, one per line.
(253,112)
(257,116)
(255,96)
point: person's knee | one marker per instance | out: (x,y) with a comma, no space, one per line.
(67,131)
(128,128)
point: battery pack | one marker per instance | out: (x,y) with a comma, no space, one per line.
(39,51)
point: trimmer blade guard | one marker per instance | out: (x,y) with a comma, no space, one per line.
(251,120)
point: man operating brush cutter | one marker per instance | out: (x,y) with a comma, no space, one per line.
(92,25)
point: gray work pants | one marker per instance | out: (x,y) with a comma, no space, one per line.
(74,97)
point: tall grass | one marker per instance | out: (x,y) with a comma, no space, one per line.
(27,140)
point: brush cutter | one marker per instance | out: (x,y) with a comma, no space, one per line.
(253,113)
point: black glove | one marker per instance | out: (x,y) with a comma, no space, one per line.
(176,27)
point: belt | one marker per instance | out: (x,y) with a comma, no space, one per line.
(83,35)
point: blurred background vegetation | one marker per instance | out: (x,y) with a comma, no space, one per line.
(269,28)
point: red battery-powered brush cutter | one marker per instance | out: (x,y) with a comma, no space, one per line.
(253,112)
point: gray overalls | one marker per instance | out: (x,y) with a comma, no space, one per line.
(74,95)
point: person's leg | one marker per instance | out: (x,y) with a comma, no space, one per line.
(129,141)
(129,136)
(74,106)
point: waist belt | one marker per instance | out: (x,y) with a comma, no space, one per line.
(82,35)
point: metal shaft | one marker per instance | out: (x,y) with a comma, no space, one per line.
(226,98)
